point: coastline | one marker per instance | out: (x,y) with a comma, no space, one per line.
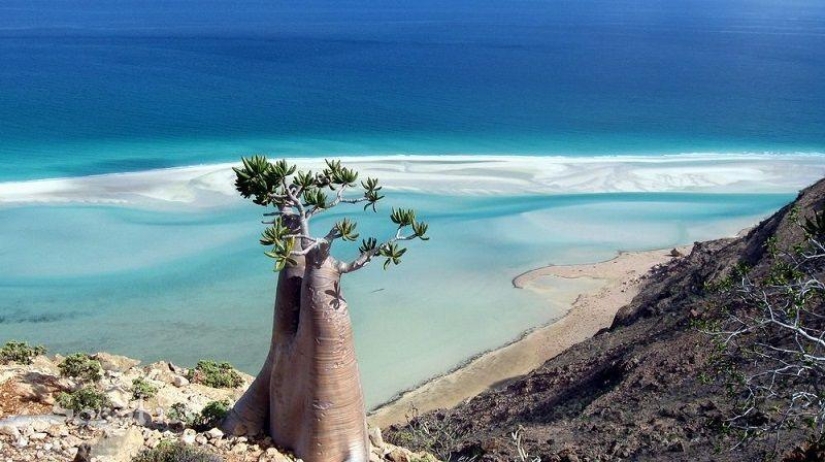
(589,313)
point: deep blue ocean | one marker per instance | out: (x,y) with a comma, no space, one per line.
(108,86)
(92,87)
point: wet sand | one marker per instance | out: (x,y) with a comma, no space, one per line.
(592,311)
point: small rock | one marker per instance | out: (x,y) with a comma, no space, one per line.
(214,433)
(180,381)
(40,426)
(375,437)
(9,430)
(201,440)
(83,453)
(239,448)
(118,399)
(398,455)
(121,446)
(115,363)
(142,417)
(188,436)
(21,442)
(678,446)
(38,436)
(48,447)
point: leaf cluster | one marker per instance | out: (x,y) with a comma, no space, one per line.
(84,399)
(815,226)
(215,375)
(176,451)
(209,417)
(20,352)
(81,366)
(300,195)
(142,389)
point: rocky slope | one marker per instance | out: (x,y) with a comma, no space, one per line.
(645,389)
(33,427)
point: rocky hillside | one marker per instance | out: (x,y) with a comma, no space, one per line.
(132,408)
(649,388)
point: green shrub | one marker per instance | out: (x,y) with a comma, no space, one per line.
(86,398)
(176,452)
(141,389)
(19,352)
(213,413)
(215,375)
(210,417)
(81,366)
(181,413)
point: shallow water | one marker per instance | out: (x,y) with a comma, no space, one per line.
(190,284)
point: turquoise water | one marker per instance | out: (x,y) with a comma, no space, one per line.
(124,86)
(187,285)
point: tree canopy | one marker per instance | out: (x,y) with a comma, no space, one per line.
(300,195)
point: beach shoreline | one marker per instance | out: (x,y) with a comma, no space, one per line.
(591,312)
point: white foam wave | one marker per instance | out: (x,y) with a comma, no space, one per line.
(209,185)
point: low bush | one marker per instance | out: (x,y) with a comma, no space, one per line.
(85,399)
(176,452)
(210,417)
(19,352)
(213,413)
(215,375)
(141,389)
(81,366)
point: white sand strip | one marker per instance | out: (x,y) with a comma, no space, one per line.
(210,185)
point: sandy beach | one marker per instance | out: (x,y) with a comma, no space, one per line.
(592,311)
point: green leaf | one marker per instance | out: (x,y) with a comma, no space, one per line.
(402,217)
(368,245)
(420,229)
(346,229)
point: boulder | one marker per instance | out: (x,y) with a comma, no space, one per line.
(214,433)
(119,446)
(188,436)
(375,437)
(115,363)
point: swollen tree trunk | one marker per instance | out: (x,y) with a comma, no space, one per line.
(321,416)
(308,395)
(250,415)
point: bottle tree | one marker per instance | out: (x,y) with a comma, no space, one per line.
(308,395)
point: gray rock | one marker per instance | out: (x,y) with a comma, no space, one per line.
(115,363)
(83,453)
(375,437)
(10,430)
(120,446)
(214,433)
(119,399)
(188,436)
(180,381)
